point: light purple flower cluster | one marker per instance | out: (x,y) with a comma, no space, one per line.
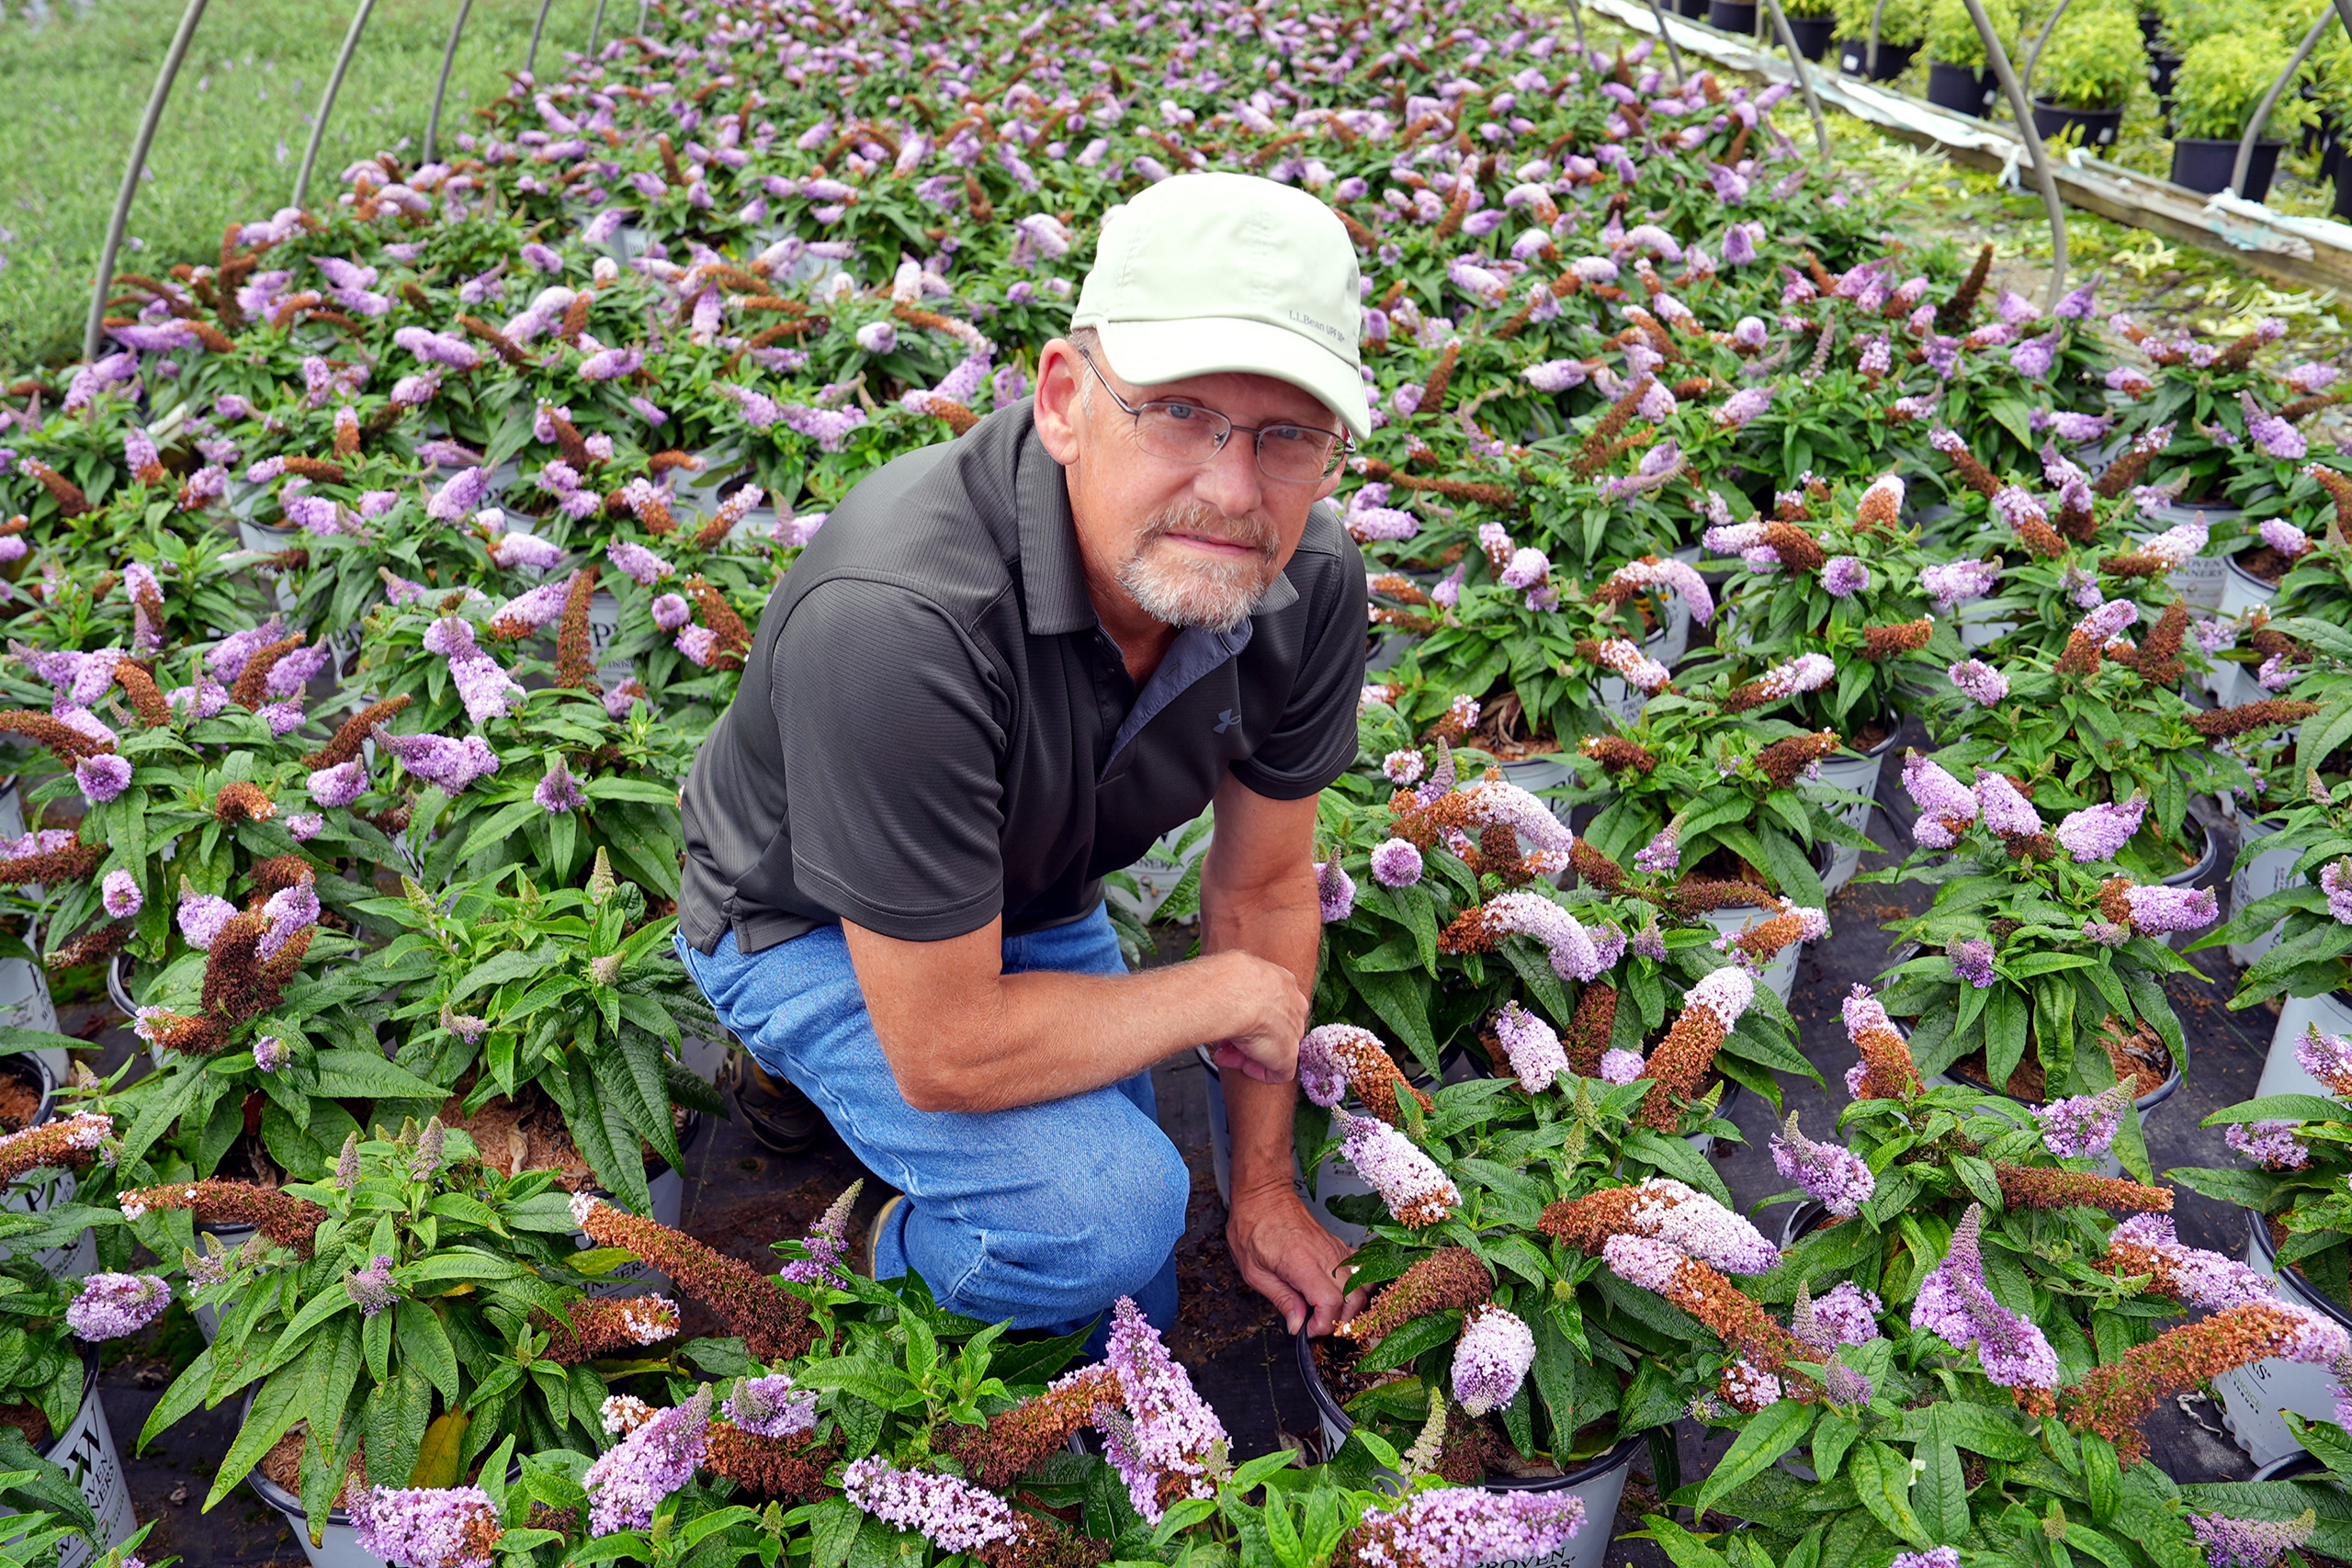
(2006,809)
(2195,1277)
(2107,622)
(1954,580)
(1404,768)
(1836,1178)
(771,1407)
(1621,1066)
(372,1288)
(1846,1315)
(1335,889)
(1934,1557)
(1170,1433)
(1955,1306)
(339,786)
(2335,881)
(1640,672)
(2276,437)
(2271,1144)
(1971,960)
(111,1305)
(1805,672)
(102,778)
(483,685)
(1679,578)
(1845,576)
(558,791)
(2328,1058)
(2158,911)
(2083,1125)
(1694,1223)
(119,893)
(1395,864)
(2098,832)
(271,1054)
(1408,1181)
(828,1245)
(952,1514)
(1943,802)
(426,1527)
(642,565)
(1491,1359)
(2284,536)
(1979,681)
(288,910)
(1462,1527)
(448,765)
(1575,952)
(631,1479)
(201,916)
(2250,1543)
(1534,1049)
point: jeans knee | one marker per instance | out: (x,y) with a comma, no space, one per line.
(1128,1215)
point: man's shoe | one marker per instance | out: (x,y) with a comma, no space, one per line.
(874,1233)
(783,1120)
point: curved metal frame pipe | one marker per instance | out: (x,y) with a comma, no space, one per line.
(2270,99)
(1804,69)
(1663,37)
(94,326)
(2043,174)
(1870,55)
(595,29)
(531,59)
(326,98)
(441,87)
(2034,55)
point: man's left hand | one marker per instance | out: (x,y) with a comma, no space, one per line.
(1290,1261)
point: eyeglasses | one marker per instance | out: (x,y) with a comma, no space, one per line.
(1188,433)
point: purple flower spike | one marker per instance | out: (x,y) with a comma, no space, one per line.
(2098,832)
(631,1480)
(119,892)
(1395,864)
(1971,961)
(111,1305)
(1979,681)
(2158,911)
(1172,1435)
(1838,1178)
(771,1407)
(1336,890)
(1955,1305)
(558,792)
(1491,1359)
(1535,1052)
(828,1243)
(427,1527)
(952,1514)
(2082,1125)
(102,777)
(450,765)
(2251,1543)
(1462,1527)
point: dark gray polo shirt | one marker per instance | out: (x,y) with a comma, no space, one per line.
(933,729)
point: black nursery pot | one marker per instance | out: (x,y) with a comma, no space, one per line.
(2344,186)
(1696,9)
(1732,15)
(2205,164)
(1960,88)
(2163,65)
(2092,128)
(1893,59)
(1813,34)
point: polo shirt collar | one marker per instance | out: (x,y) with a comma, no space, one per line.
(1053,573)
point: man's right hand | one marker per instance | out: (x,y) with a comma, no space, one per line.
(1268,1049)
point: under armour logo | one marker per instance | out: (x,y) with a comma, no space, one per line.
(1226,719)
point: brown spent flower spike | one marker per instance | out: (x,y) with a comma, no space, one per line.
(1739,1319)
(789,1470)
(1589,1031)
(2036,1187)
(996,1454)
(2081,658)
(1900,638)
(354,733)
(72,1141)
(72,863)
(1698,894)
(241,800)
(1888,1071)
(2223,723)
(1596,868)
(574,658)
(1447,1278)
(2114,1399)
(1798,551)
(606,1325)
(281,1217)
(773,1322)
(1616,753)
(1679,1064)
(146,700)
(1375,1078)
(1783,761)
(70,744)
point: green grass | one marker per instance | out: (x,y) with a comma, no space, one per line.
(232,139)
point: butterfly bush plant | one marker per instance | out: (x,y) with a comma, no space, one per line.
(2048,956)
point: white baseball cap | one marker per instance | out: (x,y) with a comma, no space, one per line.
(1210,273)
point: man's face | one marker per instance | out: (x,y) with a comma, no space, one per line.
(1193,544)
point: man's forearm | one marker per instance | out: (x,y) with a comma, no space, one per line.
(1283,925)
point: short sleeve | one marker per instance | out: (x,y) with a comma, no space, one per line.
(894,728)
(1316,739)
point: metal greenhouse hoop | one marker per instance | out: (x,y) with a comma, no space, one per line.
(2032,141)
(531,59)
(1665,37)
(596,28)
(2270,99)
(94,326)
(441,88)
(2034,55)
(326,99)
(1804,69)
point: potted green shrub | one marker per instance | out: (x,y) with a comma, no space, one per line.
(1959,76)
(1901,26)
(2085,75)
(1813,23)
(2215,96)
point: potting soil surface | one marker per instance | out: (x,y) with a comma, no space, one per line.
(741,1198)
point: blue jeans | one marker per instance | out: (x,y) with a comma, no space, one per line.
(1045,1214)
